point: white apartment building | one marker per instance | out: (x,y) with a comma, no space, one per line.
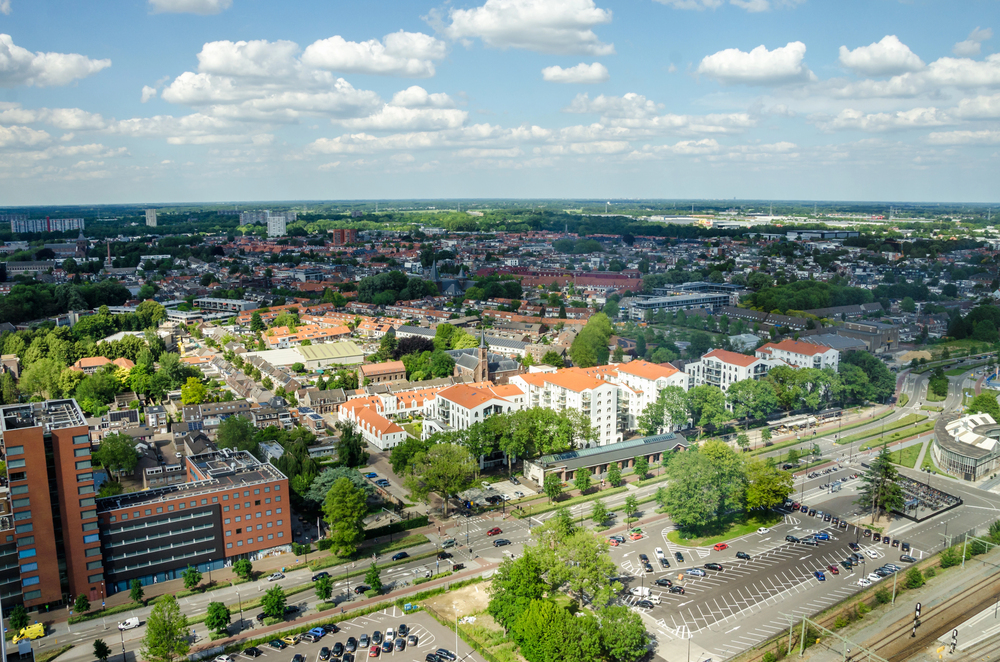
(276,225)
(575,388)
(721,368)
(640,384)
(151,218)
(367,414)
(460,406)
(801,354)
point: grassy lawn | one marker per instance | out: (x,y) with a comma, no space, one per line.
(934,397)
(794,442)
(903,399)
(955,372)
(907,456)
(568,502)
(896,436)
(412,429)
(928,463)
(727,528)
(909,419)
(926,408)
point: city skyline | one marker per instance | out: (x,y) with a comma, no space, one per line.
(207,100)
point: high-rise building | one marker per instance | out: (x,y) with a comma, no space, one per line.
(151,218)
(48,513)
(276,225)
(344,236)
(20,223)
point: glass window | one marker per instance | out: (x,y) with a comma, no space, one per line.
(18,475)
(148,512)
(260,538)
(23,528)
(86,489)
(246,493)
(225,509)
(27,540)
(229,545)
(83,464)
(229,533)
(15,464)
(80,452)
(270,536)
(90,526)
(88,502)
(26,553)
(15,450)
(29,567)
(22,503)
(257,491)
(31,595)
(83,478)
(267,500)
(93,537)
(204,502)
(159,509)
(93,551)
(93,579)
(20,489)
(30,581)
(87,514)
(81,439)
(170,509)
(239,543)
(267,489)
(215,499)
(281,534)
(225,497)
(257,502)
(94,565)
(268,513)
(246,504)
(25,514)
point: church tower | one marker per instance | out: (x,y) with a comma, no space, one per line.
(482,367)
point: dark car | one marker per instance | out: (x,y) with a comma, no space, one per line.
(386,646)
(905,547)
(500,542)
(431,657)
(643,558)
(298,658)
(743,555)
(253,651)
(812,512)
(886,540)
(647,567)
(714,566)
(403,629)
(664,582)
(348,657)
(446,654)
(664,562)
(804,508)
(277,644)
(854,546)
(377,637)
(399,556)
(260,617)
(827,517)
(291,609)
(679,557)
(895,543)
(324,653)
(320,575)
(400,644)
(836,521)
(352,645)
(411,640)
(358,590)
(644,604)
(444,555)
(338,649)
(867,533)
(677,589)
(906,558)
(791,539)
(843,524)
(514,480)
(847,564)
(856,558)
(330,628)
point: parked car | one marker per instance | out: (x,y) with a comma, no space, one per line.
(871,554)
(338,649)
(714,566)
(514,480)
(377,637)
(833,569)
(854,546)
(791,539)
(820,576)
(821,535)
(324,653)
(679,557)
(277,644)
(364,641)
(351,645)
(399,556)
(374,651)
(906,558)
(275,576)
(864,582)
(843,524)
(664,582)
(644,604)
(905,547)
(762,530)
(697,572)
(743,555)
(371,474)
(253,651)
(501,542)
(677,589)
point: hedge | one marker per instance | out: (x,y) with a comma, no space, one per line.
(397,527)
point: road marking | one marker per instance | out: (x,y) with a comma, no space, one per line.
(733,630)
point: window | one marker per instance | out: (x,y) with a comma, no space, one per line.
(27,540)
(239,519)
(135,513)
(80,452)
(260,538)
(148,512)
(30,581)
(278,510)
(25,514)
(193,504)
(83,464)
(281,534)
(18,475)
(226,521)
(90,526)
(15,464)
(270,524)
(270,536)
(225,497)
(86,489)
(26,553)
(236,506)
(246,493)
(229,545)
(23,528)
(239,543)
(257,515)
(93,579)
(267,489)
(94,565)
(22,503)
(277,498)
(29,567)
(215,499)
(93,537)
(229,533)
(267,500)
(31,595)
(90,502)
(15,450)
(257,491)
(124,516)
(204,502)
(279,522)
(81,439)
(159,509)
(87,514)
(83,478)
(170,509)
(239,531)
(257,502)
(93,551)
(268,513)
(225,509)
(20,489)
(246,505)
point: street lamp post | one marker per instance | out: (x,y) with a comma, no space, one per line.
(240,600)
(122,633)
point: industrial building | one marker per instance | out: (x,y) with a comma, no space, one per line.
(638,306)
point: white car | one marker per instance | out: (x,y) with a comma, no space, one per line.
(659,552)
(518,494)
(864,582)
(224,658)
(128,624)
(762,530)
(275,577)
(390,634)
(871,554)
(873,578)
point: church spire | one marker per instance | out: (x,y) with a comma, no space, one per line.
(434,272)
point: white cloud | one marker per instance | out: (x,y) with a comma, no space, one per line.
(749,5)
(979,108)
(67,119)
(406,54)
(417,97)
(585,148)
(973,44)
(253,59)
(914,118)
(203,7)
(630,105)
(487,153)
(884,58)
(581,73)
(397,118)
(636,113)
(194,129)
(5,7)
(19,66)
(148,93)
(22,136)
(986,136)
(752,6)
(693,4)
(758,67)
(546,26)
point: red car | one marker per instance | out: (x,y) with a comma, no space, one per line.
(495,531)
(719,546)
(374,651)
(833,569)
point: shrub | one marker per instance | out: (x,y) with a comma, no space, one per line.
(371,593)
(930,572)
(883,596)
(841,622)
(769,657)
(950,557)
(914,578)
(273,621)
(324,544)
(863,609)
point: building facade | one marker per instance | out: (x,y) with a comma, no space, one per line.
(721,368)
(575,389)
(801,354)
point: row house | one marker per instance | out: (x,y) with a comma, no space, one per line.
(376,429)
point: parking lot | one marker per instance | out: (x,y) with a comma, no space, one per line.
(430,637)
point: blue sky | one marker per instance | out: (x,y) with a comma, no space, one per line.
(112,101)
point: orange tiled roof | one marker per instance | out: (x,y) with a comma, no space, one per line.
(647,370)
(795,347)
(733,358)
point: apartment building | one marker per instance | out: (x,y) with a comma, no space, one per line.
(460,406)
(368,414)
(232,506)
(378,373)
(640,383)
(801,354)
(575,388)
(721,368)
(48,517)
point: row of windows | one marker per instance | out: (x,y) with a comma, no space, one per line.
(250,528)
(257,515)
(270,536)
(204,502)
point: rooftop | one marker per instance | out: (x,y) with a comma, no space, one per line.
(52,414)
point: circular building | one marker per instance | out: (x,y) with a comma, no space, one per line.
(967,446)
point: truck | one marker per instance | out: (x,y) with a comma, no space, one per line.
(422,571)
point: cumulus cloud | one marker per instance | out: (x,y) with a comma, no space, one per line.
(19,66)
(546,26)
(961,73)
(640,116)
(194,129)
(148,93)
(489,153)
(253,59)
(417,97)
(884,58)
(629,105)
(397,118)
(760,66)
(985,136)
(67,119)
(5,7)
(203,7)
(406,54)
(22,136)
(971,46)
(581,73)
(914,118)
(979,108)
(693,4)
(749,5)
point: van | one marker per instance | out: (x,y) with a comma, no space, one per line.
(640,591)
(31,632)
(129,623)
(450,542)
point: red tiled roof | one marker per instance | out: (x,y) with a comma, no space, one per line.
(732,358)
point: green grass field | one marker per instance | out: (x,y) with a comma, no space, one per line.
(933,397)
(907,456)
(730,527)
(897,436)
(909,419)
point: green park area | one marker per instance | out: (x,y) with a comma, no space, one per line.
(899,435)
(725,528)
(903,422)
(906,457)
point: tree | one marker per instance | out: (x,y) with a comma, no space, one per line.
(351,447)
(553,359)
(345,509)
(708,406)
(581,480)
(765,435)
(552,486)
(193,392)
(879,491)
(237,432)
(907,305)
(751,399)
(41,378)
(18,618)
(985,403)
(218,617)
(273,602)
(914,578)
(101,650)
(166,632)
(135,591)
(515,584)
(767,485)
(117,453)
(668,411)
(402,454)
(324,588)
(9,394)
(322,483)
(631,506)
(82,604)
(599,513)
(444,469)
(623,633)
(243,569)
(742,440)
(640,346)
(692,494)
(641,466)
(373,577)
(614,474)
(192,577)
(256,323)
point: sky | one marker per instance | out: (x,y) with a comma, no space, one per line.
(160,101)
